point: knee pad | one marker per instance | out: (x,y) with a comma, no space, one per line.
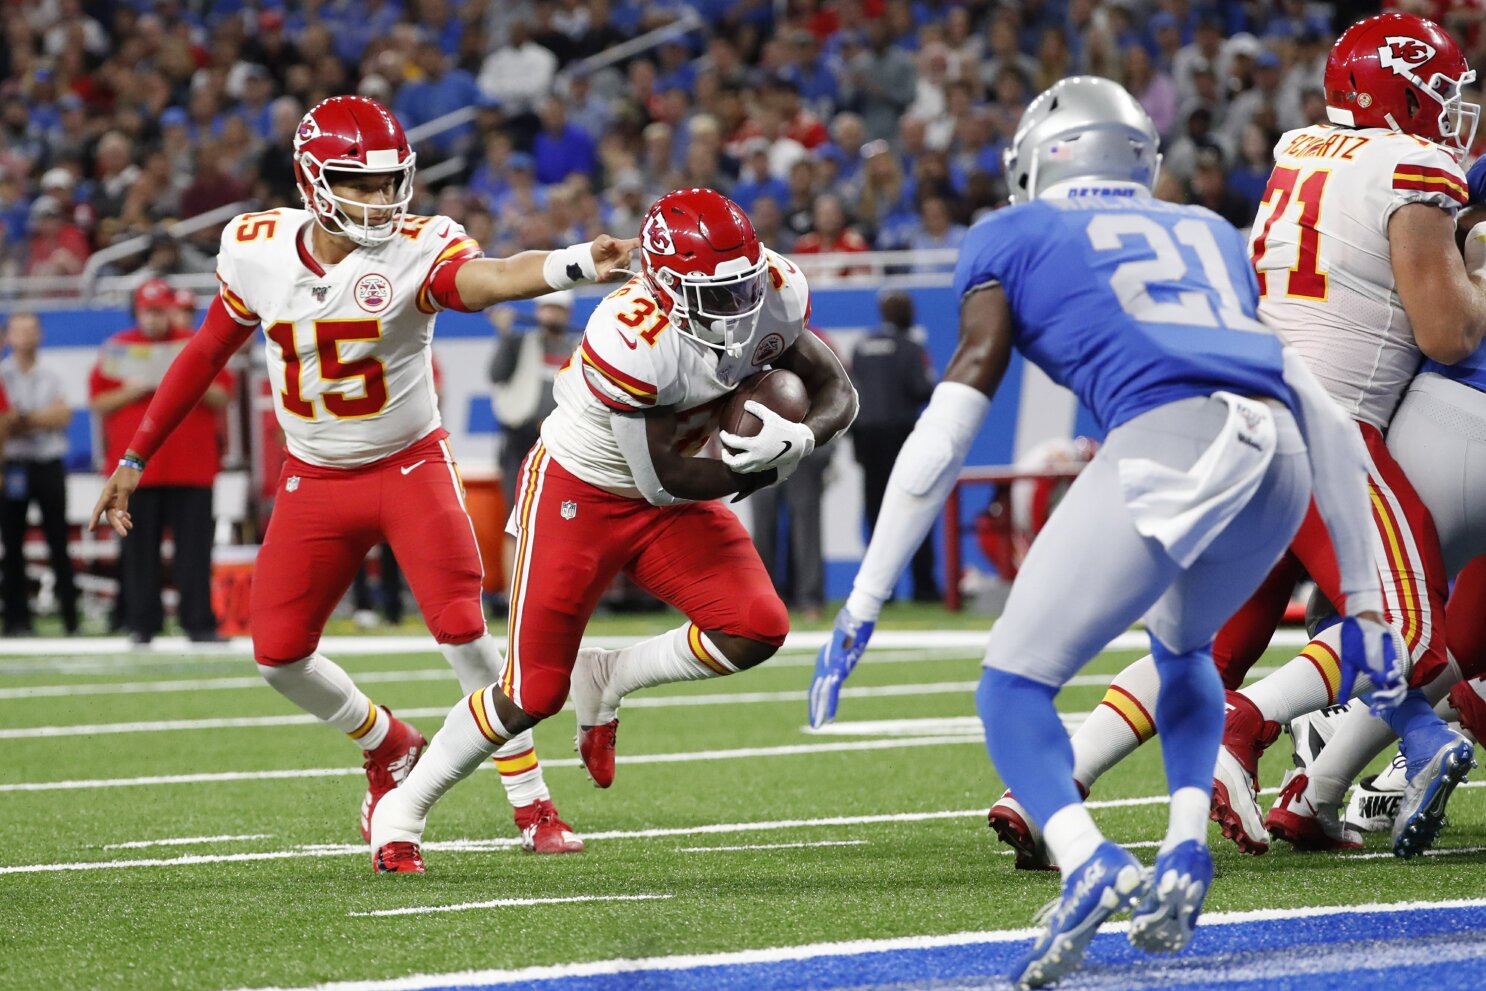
(459,621)
(280,648)
(542,701)
(766,620)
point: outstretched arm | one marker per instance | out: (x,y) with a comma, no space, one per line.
(187,380)
(923,474)
(483,282)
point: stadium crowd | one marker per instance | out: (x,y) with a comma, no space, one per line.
(841,125)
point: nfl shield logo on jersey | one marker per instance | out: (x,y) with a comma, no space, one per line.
(293,484)
(373,292)
(320,292)
(569,509)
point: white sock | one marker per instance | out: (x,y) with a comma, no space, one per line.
(1303,684)
(1359,737)
(322,688)
(1119,724)
(1188,817)
(471,733)
(1072,837)
(479,663)
(683,654)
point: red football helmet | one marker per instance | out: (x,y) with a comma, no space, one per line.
(352,134)
(703,262)
(1405,73)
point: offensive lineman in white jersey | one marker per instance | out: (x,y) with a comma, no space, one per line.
(1356,254)
(346,291)
(613,486)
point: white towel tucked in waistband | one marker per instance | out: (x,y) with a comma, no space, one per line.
(1186,510)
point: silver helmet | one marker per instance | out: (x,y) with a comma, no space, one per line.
(1082,127)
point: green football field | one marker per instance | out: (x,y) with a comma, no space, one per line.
(169,822)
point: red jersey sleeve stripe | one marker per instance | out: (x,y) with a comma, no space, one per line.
(1432,185)
(462,247)
(1431,170)
(608,401)
(234,301)
(643,391)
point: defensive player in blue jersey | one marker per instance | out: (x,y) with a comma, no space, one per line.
(1147,311)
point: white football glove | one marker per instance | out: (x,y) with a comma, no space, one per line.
(1475,250)
(781,444)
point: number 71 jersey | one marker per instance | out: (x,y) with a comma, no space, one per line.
(1320,248)
(349,347)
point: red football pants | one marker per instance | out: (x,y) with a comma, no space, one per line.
(1407,552)
(573,538)
(324,522)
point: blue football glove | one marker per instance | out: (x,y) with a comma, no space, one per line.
(834,663)
(1373,649)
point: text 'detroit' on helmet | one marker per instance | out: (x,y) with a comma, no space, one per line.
(1083,128)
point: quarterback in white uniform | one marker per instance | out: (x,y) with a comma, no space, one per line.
(613,486)
(346,291)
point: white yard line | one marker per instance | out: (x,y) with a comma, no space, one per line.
(773,846)
(369,646)
(810,951)
(1439,852)
(188,841)
(788,750)
(201,685)
(507,903)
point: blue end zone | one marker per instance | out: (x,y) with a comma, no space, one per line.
(1440,949)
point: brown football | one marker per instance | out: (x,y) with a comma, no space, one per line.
(778,388)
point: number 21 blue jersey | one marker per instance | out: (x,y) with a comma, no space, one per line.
(1129,301)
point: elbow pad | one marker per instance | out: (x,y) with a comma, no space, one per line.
(941,438)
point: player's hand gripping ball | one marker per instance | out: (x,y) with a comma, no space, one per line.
(761,428)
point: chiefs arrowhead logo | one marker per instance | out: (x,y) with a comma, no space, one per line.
(309,129)
(1402,55)
(656,237)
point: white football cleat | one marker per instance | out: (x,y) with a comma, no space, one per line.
(1235,805)
(1377,797)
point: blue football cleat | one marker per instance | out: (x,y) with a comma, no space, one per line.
(1108,882)
(1421,815)
(834,662)
(1163,922)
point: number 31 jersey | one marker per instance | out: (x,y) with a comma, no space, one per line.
(349,347)
(1320,247)
(631,360)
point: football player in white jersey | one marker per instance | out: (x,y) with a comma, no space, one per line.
(614,486)
(346,291)
(1357,260)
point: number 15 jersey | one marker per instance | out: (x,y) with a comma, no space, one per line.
(349,346)
(1320,248)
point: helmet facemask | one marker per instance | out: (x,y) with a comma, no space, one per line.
(719,311)
(1458,119)
(352,218)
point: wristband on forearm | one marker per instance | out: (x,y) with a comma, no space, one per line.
(132,461)
(570,266)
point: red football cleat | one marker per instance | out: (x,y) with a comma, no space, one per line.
(596,747)
(387,765)
(398,858)
(1308,826)
(543,831)
(1235,809)
(1008,820)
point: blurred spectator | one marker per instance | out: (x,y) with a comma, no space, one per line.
(768,223)
(831,235)
(213,187)
(437,90)
(1263,95)
(1249,176)
(1152,87)
(883,204)
(519,73)
(893,379)
(1180,159)
(522,370)
(587,109)
(114,173)
(55,247)
(561,149)
(176,489)
(754,179)
(937,231)
(34,474)
(1209,188)
(880,80)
